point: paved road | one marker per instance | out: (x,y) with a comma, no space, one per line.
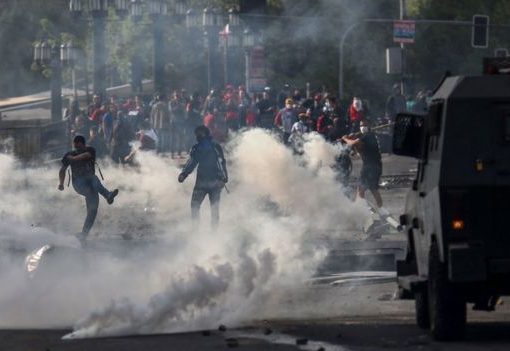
(362,313)
(387,331)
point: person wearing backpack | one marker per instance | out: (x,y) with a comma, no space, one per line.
(85,182)
(211,174)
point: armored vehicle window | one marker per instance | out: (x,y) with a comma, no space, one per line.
(408,135)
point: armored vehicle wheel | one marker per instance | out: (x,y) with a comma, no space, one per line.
(421,305)
(446,308)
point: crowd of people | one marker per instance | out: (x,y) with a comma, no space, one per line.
(167,124)
(171,125)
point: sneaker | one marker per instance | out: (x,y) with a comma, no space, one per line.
(112,196)
(81,236)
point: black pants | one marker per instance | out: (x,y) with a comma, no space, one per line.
(198,196)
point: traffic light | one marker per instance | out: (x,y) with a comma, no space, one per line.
(480,37)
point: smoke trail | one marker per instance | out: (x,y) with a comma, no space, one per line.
(171,278)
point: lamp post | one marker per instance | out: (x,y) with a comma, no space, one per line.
(157,9)
(248,45)
(68,57)
(207,22)
(209,25)
(232,40)
(48,55)
(229,38)
(98,10)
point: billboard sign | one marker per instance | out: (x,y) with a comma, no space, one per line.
(404,32)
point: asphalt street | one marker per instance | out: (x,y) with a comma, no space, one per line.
(349,305)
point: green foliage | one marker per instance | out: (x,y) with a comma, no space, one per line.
(301,44)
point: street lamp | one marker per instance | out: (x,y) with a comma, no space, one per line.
(98,9)
(156,10)
(208,22)
(68,56)
(248,44)
(136,10)
(231,40)
(231,37)
(48,55)
(193,19)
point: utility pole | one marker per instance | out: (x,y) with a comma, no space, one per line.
(56,84)
(99,49)
(403,16)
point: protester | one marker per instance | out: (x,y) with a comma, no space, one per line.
(177,124)
(367,146)
(121,136)
(324,123)
(107,122)
(148,140)
(265,111)
(80,126)
(211,174)
(243,107)
(283,95)
(94,106)
(147,137)
(299,129)
(231,115)
(396,103)
(337,131)
(285,119)
(212,102)
(316,110)
(82,161)
(160,120)
(193,118)
(97,142)
(356,113)
(215,126)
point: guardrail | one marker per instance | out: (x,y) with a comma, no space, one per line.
(31,139)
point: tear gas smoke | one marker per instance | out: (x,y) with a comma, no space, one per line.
(168,277)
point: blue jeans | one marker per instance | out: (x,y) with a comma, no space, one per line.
(90,187)
(198,196)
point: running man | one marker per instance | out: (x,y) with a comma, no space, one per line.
(211,174)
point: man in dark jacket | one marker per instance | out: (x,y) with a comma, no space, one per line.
(85,182)
(211,174)
(367,146)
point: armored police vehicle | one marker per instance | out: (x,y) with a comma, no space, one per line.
(457,212)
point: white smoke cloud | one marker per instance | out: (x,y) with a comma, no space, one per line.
(169,278)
